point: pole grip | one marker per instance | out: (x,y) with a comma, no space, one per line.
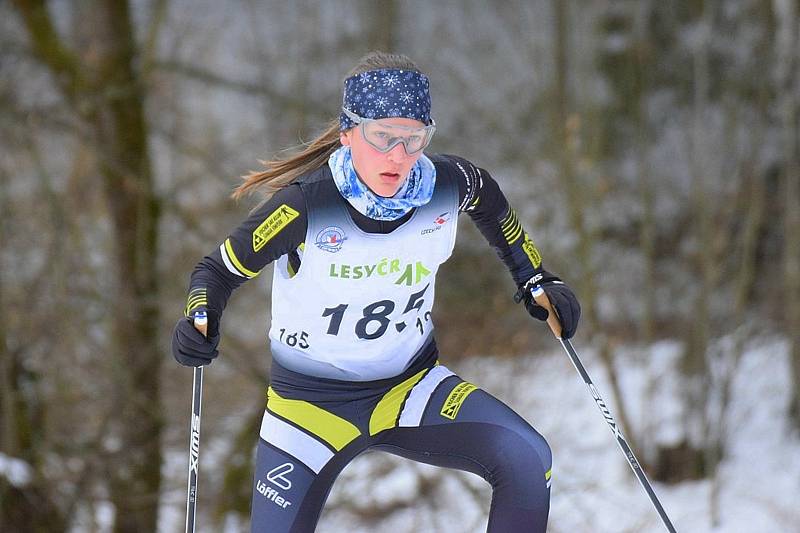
(552,317)
(201,322)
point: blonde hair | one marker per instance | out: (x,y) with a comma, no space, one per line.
(281,171)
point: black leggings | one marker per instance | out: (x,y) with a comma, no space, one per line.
(309,435)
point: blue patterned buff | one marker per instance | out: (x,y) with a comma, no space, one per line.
(417,190)
(386,93)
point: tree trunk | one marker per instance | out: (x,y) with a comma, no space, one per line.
(694,364)
(752,204)
(789,68)
(105,92)
(755,193)
(647,233)
(381,20)
(566,127)
(125,165)
(26,504)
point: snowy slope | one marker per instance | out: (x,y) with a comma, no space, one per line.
(594,489)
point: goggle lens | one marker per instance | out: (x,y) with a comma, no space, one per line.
(383,137)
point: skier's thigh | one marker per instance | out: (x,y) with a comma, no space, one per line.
(280,485)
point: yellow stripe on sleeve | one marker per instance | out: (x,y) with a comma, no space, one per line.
(511,229)
(197,298)
(509,220)
(511,239)
(235,260)
(195,301)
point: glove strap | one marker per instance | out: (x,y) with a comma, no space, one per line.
(543,276)
(527,286)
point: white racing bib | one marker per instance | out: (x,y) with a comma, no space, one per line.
(359,307)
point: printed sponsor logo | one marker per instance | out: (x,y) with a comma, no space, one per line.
(456,398)
(273,225)
(272,495)
(606,413)
(438,222)
(277,476)
(194,450)
(330,239)
(410,273)
(530,250)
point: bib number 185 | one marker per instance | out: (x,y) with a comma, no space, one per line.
(375,317)
(294,339)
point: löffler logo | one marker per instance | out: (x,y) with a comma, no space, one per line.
(276,476)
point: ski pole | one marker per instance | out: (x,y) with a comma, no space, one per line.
(552,321)
(201,323)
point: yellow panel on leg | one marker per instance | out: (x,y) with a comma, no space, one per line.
(334,430)
(387,411)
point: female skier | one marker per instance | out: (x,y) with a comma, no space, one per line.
(358,223)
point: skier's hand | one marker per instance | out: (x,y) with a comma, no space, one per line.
(190,347)
(561,298)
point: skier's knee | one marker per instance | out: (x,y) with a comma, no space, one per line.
(523,459)
(541,447)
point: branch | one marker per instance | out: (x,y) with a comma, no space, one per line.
(49,49)
(195,73)
(150,45)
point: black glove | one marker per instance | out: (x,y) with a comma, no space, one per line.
(190,347)
(561,298)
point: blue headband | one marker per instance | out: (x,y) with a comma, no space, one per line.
(386,93)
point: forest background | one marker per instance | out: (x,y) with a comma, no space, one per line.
(650,148)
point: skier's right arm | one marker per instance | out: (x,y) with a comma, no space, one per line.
(276,228)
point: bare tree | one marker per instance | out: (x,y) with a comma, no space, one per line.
(26,504)
(754,191)
(103,88)
(696,234)
(578,200)
(789,105)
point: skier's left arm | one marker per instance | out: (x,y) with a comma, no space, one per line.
(481,198)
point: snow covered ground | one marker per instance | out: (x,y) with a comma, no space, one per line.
(594,489)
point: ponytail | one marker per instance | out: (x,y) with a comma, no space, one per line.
(281,172)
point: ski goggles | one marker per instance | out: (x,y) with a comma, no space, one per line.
(383,137)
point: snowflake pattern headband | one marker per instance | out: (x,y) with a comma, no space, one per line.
(386,93)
